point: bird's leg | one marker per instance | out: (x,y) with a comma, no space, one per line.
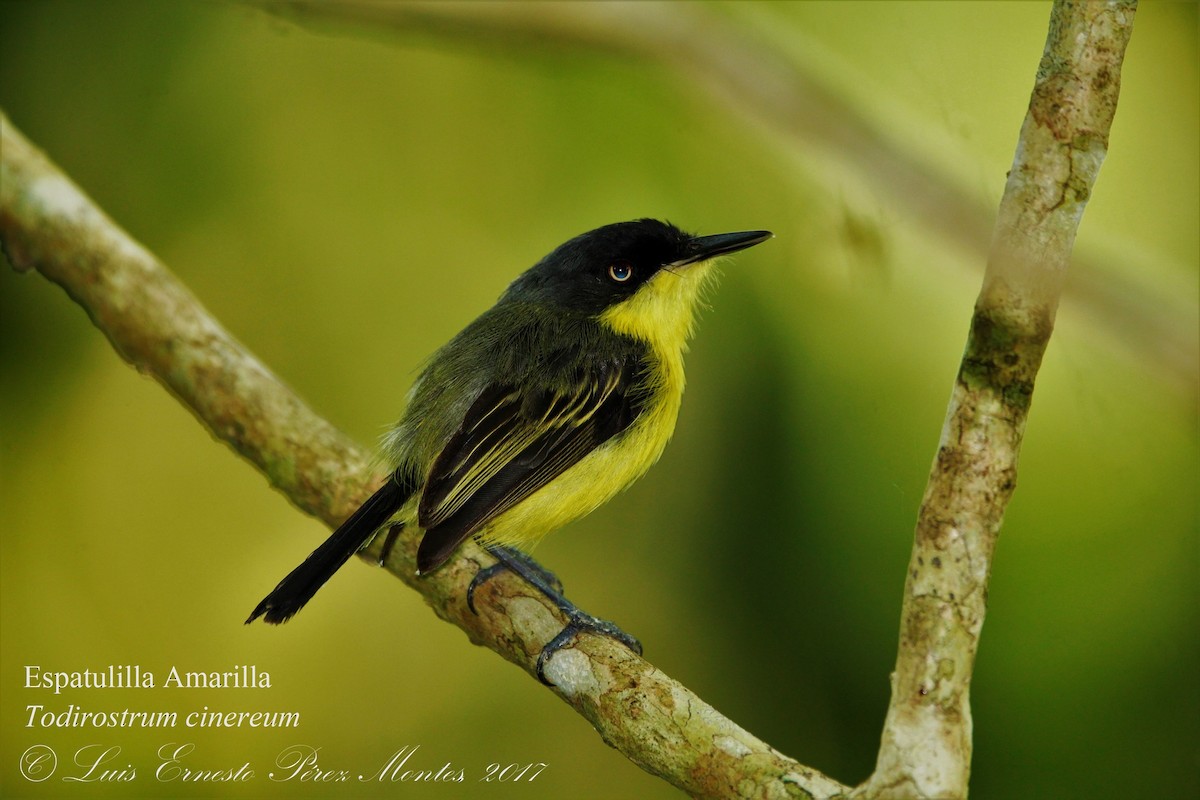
(546,582)
(389,541)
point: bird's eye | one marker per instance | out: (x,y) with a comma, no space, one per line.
(621,271)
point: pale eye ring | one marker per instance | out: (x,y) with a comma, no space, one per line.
(621,271)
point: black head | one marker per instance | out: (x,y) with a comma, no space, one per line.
(606,266)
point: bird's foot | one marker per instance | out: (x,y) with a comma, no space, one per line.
(513,560)
(581,622)
(547,583)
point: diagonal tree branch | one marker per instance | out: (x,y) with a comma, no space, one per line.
(926,749)
(47,224)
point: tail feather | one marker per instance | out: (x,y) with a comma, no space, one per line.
(303,582)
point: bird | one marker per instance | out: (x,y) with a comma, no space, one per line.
(546,406)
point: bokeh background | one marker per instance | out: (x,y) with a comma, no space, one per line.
(345,201)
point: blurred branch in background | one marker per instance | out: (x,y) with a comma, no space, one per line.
(739,60)
(926,749)
(47,224)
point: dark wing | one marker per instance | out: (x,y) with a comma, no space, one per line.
(513,442)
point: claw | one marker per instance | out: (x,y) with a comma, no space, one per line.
(389,541)
(564,637)
(483,576)
(583,623)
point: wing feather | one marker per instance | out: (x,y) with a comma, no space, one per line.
(513,441)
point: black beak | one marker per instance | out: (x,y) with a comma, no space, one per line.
(706,247)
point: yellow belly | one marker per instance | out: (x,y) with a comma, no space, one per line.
(596,479)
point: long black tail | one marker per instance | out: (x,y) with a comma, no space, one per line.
(303,582)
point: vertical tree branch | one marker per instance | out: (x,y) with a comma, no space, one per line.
(926,748)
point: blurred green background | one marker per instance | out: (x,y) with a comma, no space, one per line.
(345,203)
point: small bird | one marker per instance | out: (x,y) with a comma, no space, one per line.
(546,406)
